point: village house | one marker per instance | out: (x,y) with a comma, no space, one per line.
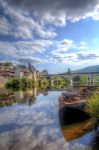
(30,72)
(7,70)
(21,71)
(35,73)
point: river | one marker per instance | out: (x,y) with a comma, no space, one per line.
(30,121)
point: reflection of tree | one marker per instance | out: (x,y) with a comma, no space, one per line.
(25,96)
(32,100)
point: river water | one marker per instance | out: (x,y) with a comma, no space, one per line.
(30,121)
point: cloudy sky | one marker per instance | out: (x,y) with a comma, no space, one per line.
(51,34)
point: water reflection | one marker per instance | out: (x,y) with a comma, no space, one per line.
(35,127)
(31,122)
(76,130)
(74,122)
(8,98)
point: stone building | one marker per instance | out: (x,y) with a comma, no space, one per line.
(30,72)
(21,71)
(7,70)
(44,72)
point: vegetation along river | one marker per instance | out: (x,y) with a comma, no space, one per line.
(31,120)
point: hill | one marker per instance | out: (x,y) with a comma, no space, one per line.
(88,69)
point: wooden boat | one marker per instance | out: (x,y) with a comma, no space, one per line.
(75,98)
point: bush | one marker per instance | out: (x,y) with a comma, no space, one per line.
(13,84)
(17,84)
(80,78)
(92,106)
(44,83)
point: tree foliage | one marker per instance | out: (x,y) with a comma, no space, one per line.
(13,84)
(19,84)
(80,78)
(68,71)
(44,83)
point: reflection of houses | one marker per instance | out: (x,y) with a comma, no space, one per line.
(7,99)
(19,95)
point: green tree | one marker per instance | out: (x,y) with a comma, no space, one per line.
(24,83)
(83,78)
(97,78)
(76,78)
(17,84)
(68,71)
(13,84)
(44,83)
(80,78)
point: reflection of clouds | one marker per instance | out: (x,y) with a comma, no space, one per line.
(35,127)
(80,147)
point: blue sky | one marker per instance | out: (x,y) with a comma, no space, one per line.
(52,35)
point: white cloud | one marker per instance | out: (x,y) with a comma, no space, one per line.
(63,46)
(21,24)
(63,53)
(7,48)
(32,60)
(4,26)
(25,51)
(58,12)
(82,46)
(25,47)
(94,14)
(57,20)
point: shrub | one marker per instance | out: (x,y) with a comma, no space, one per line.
(17,84)
(13,84)
(92,106)
(44,83)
